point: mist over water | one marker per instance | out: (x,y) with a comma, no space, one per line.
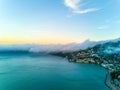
(52,48)
(46,72)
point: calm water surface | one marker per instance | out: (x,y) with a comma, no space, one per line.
(45,72)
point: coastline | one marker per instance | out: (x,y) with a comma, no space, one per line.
(108,82)
(108,79)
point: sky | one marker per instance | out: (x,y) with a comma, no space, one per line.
(58,21)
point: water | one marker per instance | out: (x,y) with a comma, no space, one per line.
(45,72)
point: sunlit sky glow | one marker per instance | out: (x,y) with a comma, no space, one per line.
(58,21)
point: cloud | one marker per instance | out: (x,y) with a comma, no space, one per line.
(118,21)
(76,7)
(85,10)
(111,50)
(73,4)
(103,27)
(37,48)
(110,23)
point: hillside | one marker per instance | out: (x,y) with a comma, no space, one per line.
(106,54)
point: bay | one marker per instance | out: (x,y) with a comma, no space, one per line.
(47,72)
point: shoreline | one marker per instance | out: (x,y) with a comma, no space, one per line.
(108,81)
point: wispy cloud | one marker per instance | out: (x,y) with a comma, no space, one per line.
(103,27)
(47,48)
(118,21)
(76,7)
(110,23)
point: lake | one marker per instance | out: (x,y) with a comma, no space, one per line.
(47,72)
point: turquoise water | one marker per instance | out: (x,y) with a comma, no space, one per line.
(45,72)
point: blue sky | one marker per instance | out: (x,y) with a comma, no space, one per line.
(58,21)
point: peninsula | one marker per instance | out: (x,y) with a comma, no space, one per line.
(106,55)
